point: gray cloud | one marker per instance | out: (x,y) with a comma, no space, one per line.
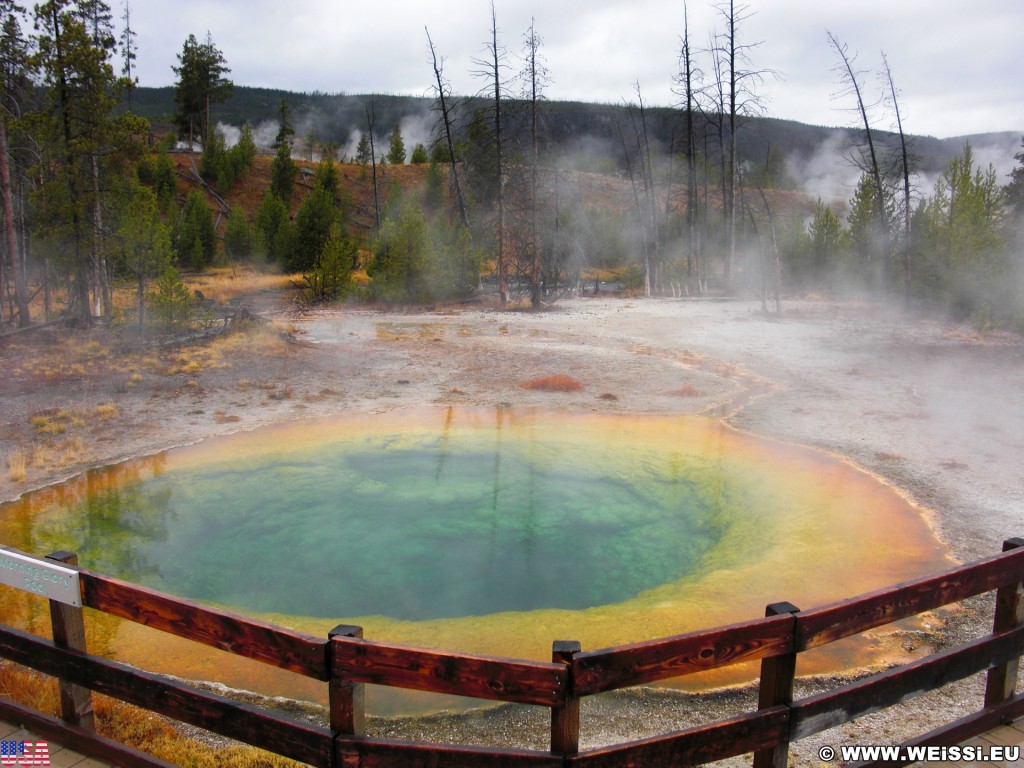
(957,66)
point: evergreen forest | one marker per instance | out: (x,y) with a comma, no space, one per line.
(113,191)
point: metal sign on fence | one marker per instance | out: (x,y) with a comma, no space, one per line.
(44,578)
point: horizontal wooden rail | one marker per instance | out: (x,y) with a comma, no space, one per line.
(480,677)
(227,631)
(242,722)
(962,729)
(388,753)
(841,705)
(638,663)
(346,662)
(829,623)
(700,744)
(78,738)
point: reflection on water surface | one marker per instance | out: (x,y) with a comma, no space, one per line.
(494,531)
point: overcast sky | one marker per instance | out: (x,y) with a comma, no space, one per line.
(959,66)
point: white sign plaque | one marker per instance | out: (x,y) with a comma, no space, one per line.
(43,577)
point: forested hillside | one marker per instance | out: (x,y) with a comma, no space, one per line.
(109,187)
(586,132)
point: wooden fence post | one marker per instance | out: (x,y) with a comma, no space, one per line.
(69,632)
(346,700)
(1009,613)
(776,687)
(565,720)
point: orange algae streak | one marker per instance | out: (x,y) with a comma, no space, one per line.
(813,529)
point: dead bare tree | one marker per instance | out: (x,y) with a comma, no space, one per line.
(371,124)
(494,65)
(647,209)
(741,81)
(496,55)
(777,261)
(536,77)
(687,84)
(868,162)
(444,104)
(905,169)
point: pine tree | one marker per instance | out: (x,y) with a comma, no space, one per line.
(331,278)
(283,172)
(420,156)
(313,223)
(271,217)
(244,152)
(165,182)
(1015,189)
(142,240)
(194,237)
(363,153)
(84,145)
(238,240)
(396,151)
(201,84)
(285,131)
(128,53)
(14,87)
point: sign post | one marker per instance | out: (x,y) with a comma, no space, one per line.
(46,579)
(69,632)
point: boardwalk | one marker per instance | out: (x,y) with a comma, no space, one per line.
(1004,735)
(60,757)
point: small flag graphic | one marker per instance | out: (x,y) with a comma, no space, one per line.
(24,753)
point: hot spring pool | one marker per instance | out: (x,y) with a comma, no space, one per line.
(493,531)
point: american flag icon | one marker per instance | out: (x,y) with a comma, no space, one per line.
(24,753)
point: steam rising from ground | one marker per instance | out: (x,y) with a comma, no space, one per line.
(826,172)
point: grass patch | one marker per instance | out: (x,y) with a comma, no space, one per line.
(54,421)
(17,466)
(136,727)
(107,411)
(222,284)
(554,383)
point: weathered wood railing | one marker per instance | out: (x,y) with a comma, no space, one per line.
(345,661)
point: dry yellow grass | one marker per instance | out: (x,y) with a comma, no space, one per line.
(17,466)
(107,411)
(261,338)
(133,726)
(223,284)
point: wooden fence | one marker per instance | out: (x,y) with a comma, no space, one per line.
(345,661)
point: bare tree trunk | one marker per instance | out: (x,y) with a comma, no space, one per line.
(535,268)
(498,141)
(639,209)
(907,267)
(873,168)
(652,281)
(371,121)
(446,117)
(731,212)
(775,252)
(20,298)
(691,151)
(100,289)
